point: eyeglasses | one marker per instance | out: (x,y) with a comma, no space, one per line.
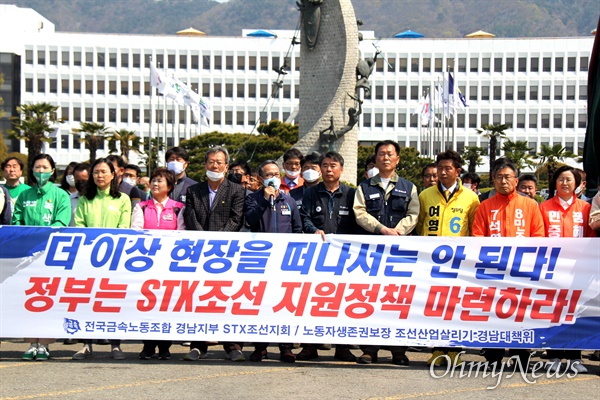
(101,173)
(566,180)
(500,178)
(269,176)
(210,163)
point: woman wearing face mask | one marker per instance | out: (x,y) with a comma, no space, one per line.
(42,205)
(67,183)
(102,206)
(566,216)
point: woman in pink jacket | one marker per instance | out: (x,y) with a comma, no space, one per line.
(160,212)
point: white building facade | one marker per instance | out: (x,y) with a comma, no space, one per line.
(538,86)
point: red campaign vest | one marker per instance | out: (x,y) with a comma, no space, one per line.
(168,216)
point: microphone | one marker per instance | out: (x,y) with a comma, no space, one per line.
(271,198)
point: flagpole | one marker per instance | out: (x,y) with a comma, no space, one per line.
(148,165)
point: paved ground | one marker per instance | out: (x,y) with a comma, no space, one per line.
(101,377)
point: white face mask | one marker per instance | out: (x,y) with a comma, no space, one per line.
(310,175)
(275,180)
(578,191)
(292,174)
(130,181)
(467,185)
(70,180)
(372,172)
(214,176)
(175,166)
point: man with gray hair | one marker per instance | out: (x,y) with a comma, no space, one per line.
(215,205)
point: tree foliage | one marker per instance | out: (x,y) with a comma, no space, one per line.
(519,153)
(550,156)
(472,156)
(3,147)
(493,133)
(33,125)
(127,140)
(272,141)
(94,134)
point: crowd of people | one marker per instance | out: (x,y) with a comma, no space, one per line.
(308,197)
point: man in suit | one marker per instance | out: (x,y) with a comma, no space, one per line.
(215,205)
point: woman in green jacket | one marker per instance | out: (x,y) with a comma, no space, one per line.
(41,205)
(103,206)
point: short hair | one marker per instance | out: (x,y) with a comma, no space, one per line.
(264,164)
(582,174)
(528,177)
(91,190)
(387,143)
(335,156)
(167,174)
(452,156)
(243,165)
(42,157)
(82,167)
(425,168)
(473,177)
(370,160)
(215,150)
(292,153)
(502,163)
(312,158)
(564,168)
(137,169)
(21,163)
(113,158)
(179,152)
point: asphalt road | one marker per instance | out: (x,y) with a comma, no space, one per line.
(101,377)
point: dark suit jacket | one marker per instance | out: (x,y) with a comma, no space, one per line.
(227,213)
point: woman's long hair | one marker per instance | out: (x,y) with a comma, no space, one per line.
(63,181)
(91,190)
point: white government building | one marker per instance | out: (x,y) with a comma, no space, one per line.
(538,86)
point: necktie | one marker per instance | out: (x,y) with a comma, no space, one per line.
(447,194)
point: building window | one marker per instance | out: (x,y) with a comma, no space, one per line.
(485,65)
(124,113)
(379,92)
(76,86)
(378,120)
(439,65)
(558,92)
(472,120)
(239,118)
(41,85)
(29,85)
(391,65)
(582,118)
(367,120)
(218,62)
(89,114)
(485,93)
(533,92)
(414,93)
(240,91)
(460,120)
(124,60)
(378,65)
(264,63)
(64,86)
(462,65)
(546,92)
(264,91)
(497,64)
(485,119)
(583,64)
(533,120)
(287,91)
(389,120)
(124,88)
(571,64)
(403,65)
(521,92)
(241,65)
(474,65)
(171,61)
(252,63)
(496,118)
(414,121)
(534,64)
(557,121)
(427,65)
(414,64)
(89,59)
(510,64)
(76,114)
(229,64)
(570,121)
(547,64)
(508,120)
(65,58)
(559,64)
(206,65)
(252,90)
(206,89)
(217,89)
(228,118)
(522,64)
(472,92)
(583,92)
(229,90)
(546,121)
(136,88)
(112,61)
(53,57)
(571,92)
(391,95)
(101,60)
(183,61)
(402,120)
(195,61)
(520,121)
(509,93)
(29,57)
(147,90)
(41,57)
(402,93)
(100,114)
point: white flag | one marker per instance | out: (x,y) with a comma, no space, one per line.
(157,78)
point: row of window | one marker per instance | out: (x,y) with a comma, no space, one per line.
(254,63)
(523,92)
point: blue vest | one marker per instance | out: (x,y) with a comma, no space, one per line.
(392,211)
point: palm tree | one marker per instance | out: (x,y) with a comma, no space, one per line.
(550,156)
(151,158)
(472,154)
(34,125)
(493,133)
(95,134)
(519,153)
(128,141)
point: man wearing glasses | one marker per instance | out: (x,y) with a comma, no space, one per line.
(507,214)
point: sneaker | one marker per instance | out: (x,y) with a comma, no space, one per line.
(308,353)
(258,355)
(164,355)
(454,358)
(400,359)
(236,355)
(437,359)
(117,353)
(287,356)
(82,354)
(43,353)
(344,355)
(30,354)
(367,358)
(553,365)
(576,365)
(193,355)
(146,354)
